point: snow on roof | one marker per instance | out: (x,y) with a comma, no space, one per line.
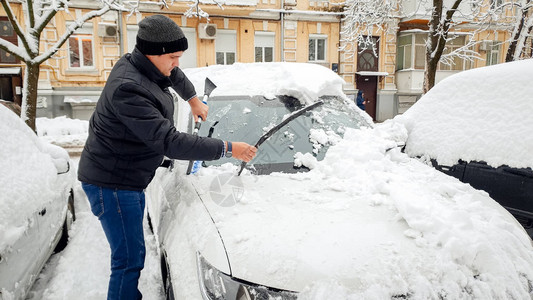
(483,114)
(81,99)
(10,71)
(301,80)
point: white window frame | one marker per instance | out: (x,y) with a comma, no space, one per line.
(317,37)
(226,42)
(264,39)
(131,31)
(189,58)
(493,54)
(421,54)
(460,63)
(407,48)
(412,47)
(86,31)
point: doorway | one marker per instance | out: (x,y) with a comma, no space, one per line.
(369,86)
(367,63)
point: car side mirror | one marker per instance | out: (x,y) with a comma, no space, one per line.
(60,157)
(62,166)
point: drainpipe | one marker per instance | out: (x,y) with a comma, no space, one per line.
(282,29)
(120,30)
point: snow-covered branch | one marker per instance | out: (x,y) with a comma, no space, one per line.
(18,29)
(70,30)
(463,52)
(364,18)
(196,11)
(18,51)
(45,15)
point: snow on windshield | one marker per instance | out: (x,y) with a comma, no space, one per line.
(483,114)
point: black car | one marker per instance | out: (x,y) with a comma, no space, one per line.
(511,187)
(477,126)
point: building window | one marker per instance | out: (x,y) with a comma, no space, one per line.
(494,4)
(7,33)
(80,47)
(493,54)
(455,63)
(405,44)
(189,59)
(80,51)
(317,48)
(264,46)
(131,31)
(226,47)
(420,51)
(411,52)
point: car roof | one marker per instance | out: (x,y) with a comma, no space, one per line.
(482,114)
(304,81)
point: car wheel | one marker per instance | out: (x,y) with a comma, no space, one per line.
(167,281)
(69,218)
(63,241)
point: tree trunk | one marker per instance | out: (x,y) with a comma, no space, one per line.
(430,74)
(510,56)
(29,96)
(433,56)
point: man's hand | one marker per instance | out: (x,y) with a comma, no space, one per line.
(198,109)
(243,151)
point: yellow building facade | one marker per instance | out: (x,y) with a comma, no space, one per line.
(245,31)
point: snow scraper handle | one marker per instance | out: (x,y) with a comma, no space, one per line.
(209,86)
(293,116)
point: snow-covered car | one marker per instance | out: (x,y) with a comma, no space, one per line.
(36,204)
(330,208)
(478,127)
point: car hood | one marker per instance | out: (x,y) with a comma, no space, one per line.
(293,231)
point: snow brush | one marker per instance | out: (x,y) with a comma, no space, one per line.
(209,86)
(293,116)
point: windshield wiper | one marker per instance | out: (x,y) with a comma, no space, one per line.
(210,134)
(293,116)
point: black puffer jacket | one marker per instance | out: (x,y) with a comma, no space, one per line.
(132,127)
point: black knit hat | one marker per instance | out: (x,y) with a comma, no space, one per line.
(158,35)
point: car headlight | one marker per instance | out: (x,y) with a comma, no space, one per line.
(216,285)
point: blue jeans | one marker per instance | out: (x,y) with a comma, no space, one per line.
(121,214)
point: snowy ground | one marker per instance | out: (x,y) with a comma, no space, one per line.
(81,271)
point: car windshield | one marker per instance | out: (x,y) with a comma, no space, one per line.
(246,119)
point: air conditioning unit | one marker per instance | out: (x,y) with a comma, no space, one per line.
(207,31)
(107,30)
(486,45)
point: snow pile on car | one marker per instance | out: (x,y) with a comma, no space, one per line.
(28,176)
(300,80)
(483,114)
(414,232)
(449,221)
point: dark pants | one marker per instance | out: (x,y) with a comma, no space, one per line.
(121,214)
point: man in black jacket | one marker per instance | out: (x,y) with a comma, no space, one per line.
(130,132)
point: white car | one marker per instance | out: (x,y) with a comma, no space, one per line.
(37,204)
(329,209)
